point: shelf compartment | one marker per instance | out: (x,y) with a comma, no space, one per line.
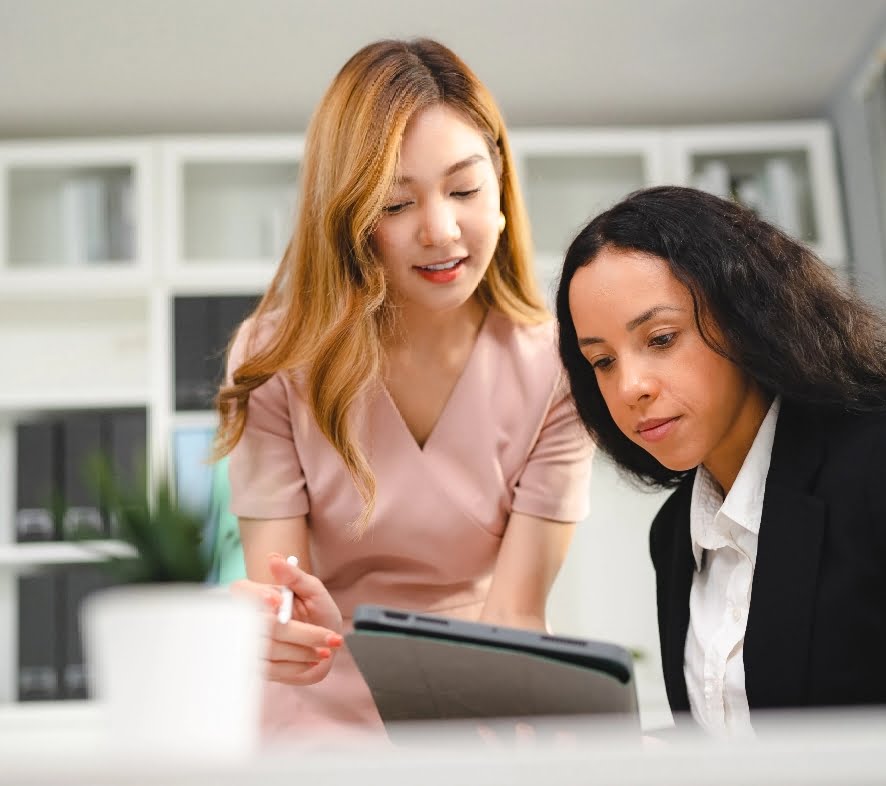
(71,217)
(786,172)
(236,210)
(564,192)
(774,184)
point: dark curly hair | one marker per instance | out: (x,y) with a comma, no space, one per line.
(784,317)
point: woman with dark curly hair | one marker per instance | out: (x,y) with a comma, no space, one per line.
(708,351)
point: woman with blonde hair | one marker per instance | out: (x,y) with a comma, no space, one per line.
(395,412)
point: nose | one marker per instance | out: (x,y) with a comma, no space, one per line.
(636,382)
(439,225)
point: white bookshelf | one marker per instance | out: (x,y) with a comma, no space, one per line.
(22,557)
(791,165)
(568,176)
(75,206)
(211,216)
(229,210)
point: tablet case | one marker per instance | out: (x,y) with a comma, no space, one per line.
(426,667)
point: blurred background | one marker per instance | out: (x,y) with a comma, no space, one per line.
(149,156)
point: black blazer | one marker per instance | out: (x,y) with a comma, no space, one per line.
(816,629)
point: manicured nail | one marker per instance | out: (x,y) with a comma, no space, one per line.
(271,599)
(324,653)
(334,640)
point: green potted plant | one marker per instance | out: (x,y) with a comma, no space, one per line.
(166,541)
(174,660)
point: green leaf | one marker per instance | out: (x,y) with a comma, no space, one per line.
(167,539)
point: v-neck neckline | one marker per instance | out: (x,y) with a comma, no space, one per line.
(453,394)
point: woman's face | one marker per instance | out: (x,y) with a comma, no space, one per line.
(665,388)
(440,226)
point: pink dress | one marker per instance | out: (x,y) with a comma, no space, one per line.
(508,440)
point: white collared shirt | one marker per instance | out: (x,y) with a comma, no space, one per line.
(724,543)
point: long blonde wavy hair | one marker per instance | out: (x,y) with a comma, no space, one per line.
(328,295)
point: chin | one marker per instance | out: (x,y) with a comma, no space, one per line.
(448,301)
(677,463)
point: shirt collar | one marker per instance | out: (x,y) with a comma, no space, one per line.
(744,502)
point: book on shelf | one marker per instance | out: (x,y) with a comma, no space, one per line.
(121,217)
(37,457)
(203,327)
(772,189)
(97,221)
(194,383)
(126,438)
(714,178)
(783,195)
(56,496)
(84,219)
(38,632)
(276,228)
(77,583)
(50,664)
(82,442)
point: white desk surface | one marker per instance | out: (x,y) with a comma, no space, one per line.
(64,744)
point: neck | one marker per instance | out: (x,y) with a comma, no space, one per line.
(434,333)
(725,461)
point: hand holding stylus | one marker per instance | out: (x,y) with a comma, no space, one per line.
(284,614)
(301,649)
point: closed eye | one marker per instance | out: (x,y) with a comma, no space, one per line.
(397,208)
(466,194)
(663,340)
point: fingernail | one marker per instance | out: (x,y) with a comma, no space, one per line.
(324,653)
(334,640)
(292,560)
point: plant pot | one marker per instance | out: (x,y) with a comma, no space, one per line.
(176,668)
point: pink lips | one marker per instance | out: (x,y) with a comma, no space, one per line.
(441,276)
(656,429)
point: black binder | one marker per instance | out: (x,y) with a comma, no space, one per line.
(202,330)
(82,445)
(126,445)
(229,312)
(36,481)
(38,656)
(191,348)
(77,582)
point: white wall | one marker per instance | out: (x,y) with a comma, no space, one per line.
(606,589)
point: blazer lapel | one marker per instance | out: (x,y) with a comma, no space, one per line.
(681,573)
(779,628)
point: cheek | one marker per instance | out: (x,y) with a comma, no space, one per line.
(482,216)
(388,244)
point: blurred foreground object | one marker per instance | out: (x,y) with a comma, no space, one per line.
(174,663)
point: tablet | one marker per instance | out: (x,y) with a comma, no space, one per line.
(429,667)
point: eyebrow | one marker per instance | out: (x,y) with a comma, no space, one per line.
(451,170)
(631,325)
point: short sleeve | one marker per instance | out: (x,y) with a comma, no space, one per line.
(265,473)
(555,483)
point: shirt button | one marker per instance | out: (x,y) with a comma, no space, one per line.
(736,614)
